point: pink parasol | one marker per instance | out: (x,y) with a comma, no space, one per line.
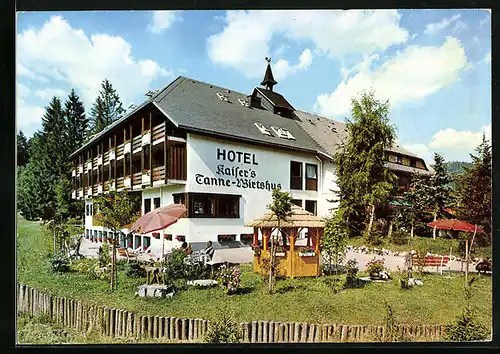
(159,219)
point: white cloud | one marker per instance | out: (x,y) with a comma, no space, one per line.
(163,20)
(454,145)
(410,75)
(28,117)
(485,20)
(78,60)
(246,39)
(487,58)
(24,71)
(283,69)
(433,28)
(47,93)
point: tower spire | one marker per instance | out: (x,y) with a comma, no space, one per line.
(268,81)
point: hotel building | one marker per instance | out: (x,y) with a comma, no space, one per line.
(220,153)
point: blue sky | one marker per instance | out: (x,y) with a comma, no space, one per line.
(434,66)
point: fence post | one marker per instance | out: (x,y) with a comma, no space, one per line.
(172,327)
(254,331)
(285,332)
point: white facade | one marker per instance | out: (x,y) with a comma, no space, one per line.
(217,166)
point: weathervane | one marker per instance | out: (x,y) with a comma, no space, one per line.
(268,59)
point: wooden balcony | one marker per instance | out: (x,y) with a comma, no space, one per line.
(159,173)
(106,157)
(136,143)
(158,132)
(94,162)
(136,179)
(119,183)
(178,163)
(94,189)
(119,151)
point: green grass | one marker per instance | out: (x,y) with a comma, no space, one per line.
(437,246)
(297,300)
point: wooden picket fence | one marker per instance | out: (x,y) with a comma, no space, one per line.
(116,323)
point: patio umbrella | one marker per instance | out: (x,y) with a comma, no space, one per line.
(159,219)
(458,225)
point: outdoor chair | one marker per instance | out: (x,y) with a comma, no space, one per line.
(125,253)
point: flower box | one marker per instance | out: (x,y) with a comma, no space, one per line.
(80,169)
(127,182)
(306,254)
(100,239)
(112,154)
(156,235)
(146,177)
(146,137)
(99,159)
(99,188)
(89,165)
(127,147)
(226,238)
(280,254)
(129,245)
(180,238)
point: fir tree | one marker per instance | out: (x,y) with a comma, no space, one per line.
(474,188)
(55,138)
(440,190)
(22,149)
(106,109)
(362,179)
(76,121)
(418,198)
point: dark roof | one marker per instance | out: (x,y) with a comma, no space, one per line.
(408,169)
(329,133)
(268,77)
(195,106)
(275,98)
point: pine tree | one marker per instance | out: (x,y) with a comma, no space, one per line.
(22,149)
(362,178)
(106,109)
(474,191)
(55,138)
(418,198)
(440,191)
(76,121)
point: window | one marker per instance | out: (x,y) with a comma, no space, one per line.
(147,205)
(86,210)
(91,210)
(180,199)
(146,241)
(213,206)
(95,234)
(297,202)
(295,175)
(137,241)
(413,163)
(201,205)
(311,177)
(399,159)
(227,207)
(156,202)
(311,206)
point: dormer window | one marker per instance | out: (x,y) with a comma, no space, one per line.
(222,97)
(243,102)
(283,133)
(263,129)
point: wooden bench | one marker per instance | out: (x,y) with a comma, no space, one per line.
(432,261)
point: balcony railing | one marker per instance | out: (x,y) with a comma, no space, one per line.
(94,162)
(106,157)
(159,173)
(119,182)
(136,143)
(137,179)
(158,132)
(94,189)
(119,151)
(178,163)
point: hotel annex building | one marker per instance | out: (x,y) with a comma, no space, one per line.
(220,153)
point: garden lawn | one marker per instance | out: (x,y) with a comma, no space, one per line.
(298,300)
(437,246)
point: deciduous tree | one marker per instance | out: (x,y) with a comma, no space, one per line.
(362,178)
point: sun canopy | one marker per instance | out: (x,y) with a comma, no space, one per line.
(453,224)
(159,219)
(299,218)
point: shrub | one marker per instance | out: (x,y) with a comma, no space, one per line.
(224,330)
(400,237)
(104,255)
(229,279)
(375,266)
(85,266)
(197,271)
(135,270)
(404,281)
(174,264)
(391,325)
(352,272)
(376,236)
(334,284)
(60,264)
